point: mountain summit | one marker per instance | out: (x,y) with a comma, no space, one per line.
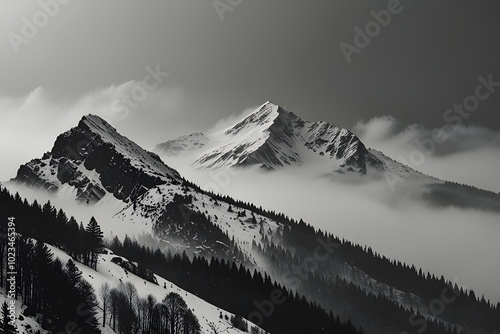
(273,137)
(94,159)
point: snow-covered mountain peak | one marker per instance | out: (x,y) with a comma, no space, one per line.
(273,137)
(97,121)
(93,159)
(261,117)
(264,137)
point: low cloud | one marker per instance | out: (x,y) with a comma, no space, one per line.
(377,129)
(465,154)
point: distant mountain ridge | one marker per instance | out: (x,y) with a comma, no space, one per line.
(273,137)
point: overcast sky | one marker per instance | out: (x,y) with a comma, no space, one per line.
(83,56)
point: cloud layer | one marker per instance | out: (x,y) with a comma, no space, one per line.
(459,244)
(465,154)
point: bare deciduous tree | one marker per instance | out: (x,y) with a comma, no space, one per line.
(105,295)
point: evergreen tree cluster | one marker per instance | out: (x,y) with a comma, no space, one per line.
(349,267)
(54,227)
(54,291)
(237,290)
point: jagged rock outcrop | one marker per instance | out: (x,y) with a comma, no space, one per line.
(95,159)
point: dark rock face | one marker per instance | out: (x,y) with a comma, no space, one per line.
(50,173)
(340,144)
(136,269)
(30,174)
(116,174)
(181,225)
(95,159)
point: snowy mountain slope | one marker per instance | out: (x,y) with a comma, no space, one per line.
(237,223)
(125,187)
(94,159)
(111,273)
(273,137)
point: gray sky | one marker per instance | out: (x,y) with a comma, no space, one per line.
(89,52)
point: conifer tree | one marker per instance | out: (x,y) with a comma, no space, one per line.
(6,327)
(95,241)
(74,275)
(42,260)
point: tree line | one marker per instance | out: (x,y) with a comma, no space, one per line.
(237,289)
(54,227)
(55,293)
(361,267)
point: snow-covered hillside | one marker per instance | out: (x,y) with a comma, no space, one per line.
(111,273)
(25,324)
